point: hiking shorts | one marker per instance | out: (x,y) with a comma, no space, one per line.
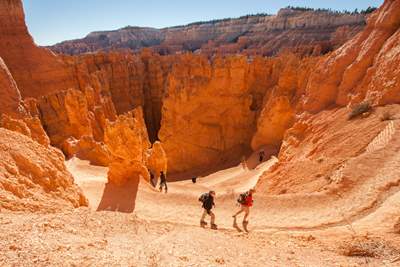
(208,212)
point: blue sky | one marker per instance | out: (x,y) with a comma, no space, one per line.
(52,21)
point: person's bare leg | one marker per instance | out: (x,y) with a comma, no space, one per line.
(203,217)
(212,217)
(237,213)
(246,214)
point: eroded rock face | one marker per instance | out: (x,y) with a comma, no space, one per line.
(129,80)
(209,111)
(127,141)
(34,177)
(27,125)
(364,68)
(37,71)
(156,159)
(306,32)
(88,149)
(326,151)
(10,101)
(287,82)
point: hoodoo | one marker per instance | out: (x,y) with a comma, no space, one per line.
(296,115)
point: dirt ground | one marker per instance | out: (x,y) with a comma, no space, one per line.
(163,230)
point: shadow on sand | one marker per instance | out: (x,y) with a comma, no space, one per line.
(119,198)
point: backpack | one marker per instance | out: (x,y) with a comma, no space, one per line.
(203,197)
(242,198)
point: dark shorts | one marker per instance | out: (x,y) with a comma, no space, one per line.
(208,211)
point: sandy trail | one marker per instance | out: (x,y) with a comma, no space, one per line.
(180,205)
(271,213)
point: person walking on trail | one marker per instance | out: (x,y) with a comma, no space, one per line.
(163,182)
(246,201)
(244,163)
(207,200)
(153,181)
(261,155)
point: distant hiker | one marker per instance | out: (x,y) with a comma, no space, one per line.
(244,163)
(261,155)
(163,182)
(194,180)
(207,200)
(246,201)
(152,179)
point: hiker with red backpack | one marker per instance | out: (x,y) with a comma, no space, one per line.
(207,200)
(246,201)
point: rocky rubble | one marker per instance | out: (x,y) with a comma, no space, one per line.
(33,177)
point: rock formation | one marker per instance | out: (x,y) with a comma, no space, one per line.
(10,101)
(156,159)
(322,150)
(127,141)
(306,32)
(287,82)
(37,71)
(206,111)
(209,111)
(27,125)
(33,177)
(362,67)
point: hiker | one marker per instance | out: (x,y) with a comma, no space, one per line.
(207,200)
(194,180)
(246,201)
(244,163)
(261,155)
(152,179)
(163,182)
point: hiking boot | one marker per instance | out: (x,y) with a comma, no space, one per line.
(203,223)
(214,226)
(245,223)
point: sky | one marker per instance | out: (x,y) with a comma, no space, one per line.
(53,21)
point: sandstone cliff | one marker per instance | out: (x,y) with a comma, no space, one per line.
(33,177)
(364,68)
(209,112)
(322,150)
(305,32)
(127,140)
(37,71)
(10,101)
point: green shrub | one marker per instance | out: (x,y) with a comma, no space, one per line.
(359,109)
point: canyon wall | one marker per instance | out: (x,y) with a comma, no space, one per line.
(37,71)
(10,100)
(326,152)
(362,69)
(306,32)
(207,112)
(210,110)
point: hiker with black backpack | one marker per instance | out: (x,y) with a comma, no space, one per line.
(207,200)
(246,201)
(163,182)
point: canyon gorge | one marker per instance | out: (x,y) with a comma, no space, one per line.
(317,91)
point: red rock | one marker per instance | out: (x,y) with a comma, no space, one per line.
(10,100)
(127,141)
(156,159)
(37,71)
(87,148)
(303,32)
(33,177)
(360,68)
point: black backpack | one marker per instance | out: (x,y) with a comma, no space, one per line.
(242,198)
(203,197)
